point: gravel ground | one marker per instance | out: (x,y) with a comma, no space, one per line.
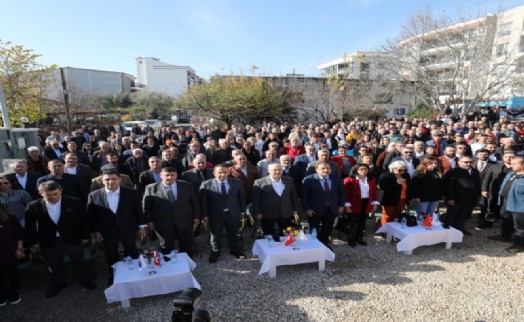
(475,281)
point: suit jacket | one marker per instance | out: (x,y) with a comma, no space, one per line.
(30,186)
(484,172)
(97,183)
(301,162)
(49,153)
(146,178)
(247,180)
(73,225)
(192,177)
(353,194)
(269,204)
(83,176)
(213,203)
(124,223)
(294,173)
(159,210)
(313,197)
(462,187)
(311,168)
(493,179)
(334,143)
(69,184)
(340,162)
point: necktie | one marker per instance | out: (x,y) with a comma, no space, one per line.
(201,175)
(326,189)
(481,166)
(223,189)
(171,195)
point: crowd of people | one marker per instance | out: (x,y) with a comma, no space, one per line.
(101,184)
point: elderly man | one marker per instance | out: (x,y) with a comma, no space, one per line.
(199,173)
(36,162)
(323,156)
(99,157)
(512,190)
(275,200)
(246,173)
(53,151)
(270,157)
(137,164)
(223,153)
(192,151)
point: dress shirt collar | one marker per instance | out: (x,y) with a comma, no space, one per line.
(57,204)
(21,176)
(116,192)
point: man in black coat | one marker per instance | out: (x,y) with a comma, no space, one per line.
(68,182)
(53,151)
(152,175)
(199,173)
(82,173)
(116,215)
(25,180)
(58,225)
(462,192)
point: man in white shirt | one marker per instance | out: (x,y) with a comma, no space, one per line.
(275,200)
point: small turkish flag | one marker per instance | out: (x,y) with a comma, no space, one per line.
(427,221)
(157,259)
(290,239)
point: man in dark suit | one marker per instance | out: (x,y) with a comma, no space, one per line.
(302,161)
(223,205)
(482,164)
(82,173)
(323,156)
(150,176)
(68,182)
(323,199)
(462,192)
(291,171)
(332,144)
(171,209)
(116,215)
(53,151)
(275,200)
(73,146)
(58,225)
(199,173)
(25,180)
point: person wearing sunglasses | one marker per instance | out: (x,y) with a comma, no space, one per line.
(396,185)
(462,193)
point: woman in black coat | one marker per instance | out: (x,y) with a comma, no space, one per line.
(396,185)
(427,187)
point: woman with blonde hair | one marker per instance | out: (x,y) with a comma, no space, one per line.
(396,185)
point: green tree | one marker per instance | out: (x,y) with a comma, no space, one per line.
(153,103)
(24,82)
(240,98)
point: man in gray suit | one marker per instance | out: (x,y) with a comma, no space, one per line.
(323,156)
(275,200)
(171,209)
(223,205)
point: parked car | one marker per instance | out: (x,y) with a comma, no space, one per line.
(155,124)
(129,125)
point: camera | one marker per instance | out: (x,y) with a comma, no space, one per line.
(185,307)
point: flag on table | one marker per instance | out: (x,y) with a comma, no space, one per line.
(290,239)
(427,221)
(157,259)
(141,262)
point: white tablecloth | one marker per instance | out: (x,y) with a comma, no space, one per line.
(273,254)
(172,276)
(413,237)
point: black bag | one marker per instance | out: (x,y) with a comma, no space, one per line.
(343,223)
(411,221)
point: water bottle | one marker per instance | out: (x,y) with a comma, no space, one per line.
(403,222)
(314,233)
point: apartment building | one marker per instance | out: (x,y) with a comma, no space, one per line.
(157,76)
(359,65)
(473,61)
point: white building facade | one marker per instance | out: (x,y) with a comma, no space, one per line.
(359,65)
(172,80)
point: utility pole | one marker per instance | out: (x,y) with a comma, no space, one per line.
(66,100)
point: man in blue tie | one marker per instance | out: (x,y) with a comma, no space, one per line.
(223,206)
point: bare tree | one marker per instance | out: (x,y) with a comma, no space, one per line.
(451,61)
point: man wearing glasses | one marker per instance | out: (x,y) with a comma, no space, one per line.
(411,162)
(462,193)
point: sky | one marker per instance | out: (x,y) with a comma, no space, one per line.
(212,36)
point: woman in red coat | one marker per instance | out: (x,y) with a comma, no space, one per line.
(361,196)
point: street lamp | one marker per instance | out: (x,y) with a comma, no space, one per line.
(24,120)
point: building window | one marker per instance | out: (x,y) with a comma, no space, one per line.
(505,29)
(502,49)
(521,44)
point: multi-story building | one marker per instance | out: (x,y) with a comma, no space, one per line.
(81,83)
(172,80)
(468,62)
